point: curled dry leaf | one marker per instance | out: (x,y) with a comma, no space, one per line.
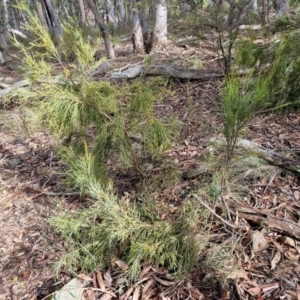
(291,256)
(136,293)
(126,295)
(275,260)
(258,241)
(100,281)
(287,241)
(148,285)
(121,264)
(164,282)
(256,291)
(144,272)
(84,277)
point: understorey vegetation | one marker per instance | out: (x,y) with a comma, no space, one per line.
(104,128)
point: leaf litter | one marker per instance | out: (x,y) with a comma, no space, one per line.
(265,262)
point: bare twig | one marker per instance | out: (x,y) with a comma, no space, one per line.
(215,214)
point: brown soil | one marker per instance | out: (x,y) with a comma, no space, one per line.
(30,193)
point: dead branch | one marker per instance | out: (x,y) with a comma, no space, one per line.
(215,214)
(158,70)
(13,87)
(266,154)
(130,73)
(265,218)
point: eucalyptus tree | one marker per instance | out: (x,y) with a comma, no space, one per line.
(281,7)
(52,19)
(83,22)
(121,11)
(3,24)
(110,11)
(103,29)
(159,36)
(145,30)
(137,33)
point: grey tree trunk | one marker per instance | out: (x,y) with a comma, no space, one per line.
(265,11)
(145,30)
(159,37)
(281,7)
(103,30)
(53,20)
(121,11)
(2,60)
(82,13)
(137,33)
(254,5)
(110,11)
(3,24)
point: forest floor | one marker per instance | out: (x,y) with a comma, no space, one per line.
(264,263)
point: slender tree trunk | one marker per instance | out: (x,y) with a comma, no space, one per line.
(52,17)
(265,12)
(99,20)
(254,5)
(82,13)
(145,30)
(3,24)
(2,60)
(159,37)
(110,11)
(137,33)
(281,7)
(44,17)
(121,11)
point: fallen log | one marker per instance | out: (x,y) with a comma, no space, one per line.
(130,73)
(264,153)
(158,70)
(14,87)
(265,218)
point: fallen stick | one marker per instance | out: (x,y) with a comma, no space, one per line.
(265,218)
(264,153)
(215,214)
(158,70)
(13,87)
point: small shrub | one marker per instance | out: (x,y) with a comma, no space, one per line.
(113,228)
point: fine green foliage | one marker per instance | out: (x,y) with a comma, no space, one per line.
(92,117)
(276,68)
(240,103)
(113,228)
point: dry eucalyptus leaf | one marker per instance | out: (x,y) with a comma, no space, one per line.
(275,260)
(291,256)
(84,277)
(258,241)
(100,281)
(136,293)
(164,282)
(71,291)
(121,264)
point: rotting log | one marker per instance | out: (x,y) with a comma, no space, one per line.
(264,153)
(159,69)
(13,87)
(270,156)
(266,218)
(132,72)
